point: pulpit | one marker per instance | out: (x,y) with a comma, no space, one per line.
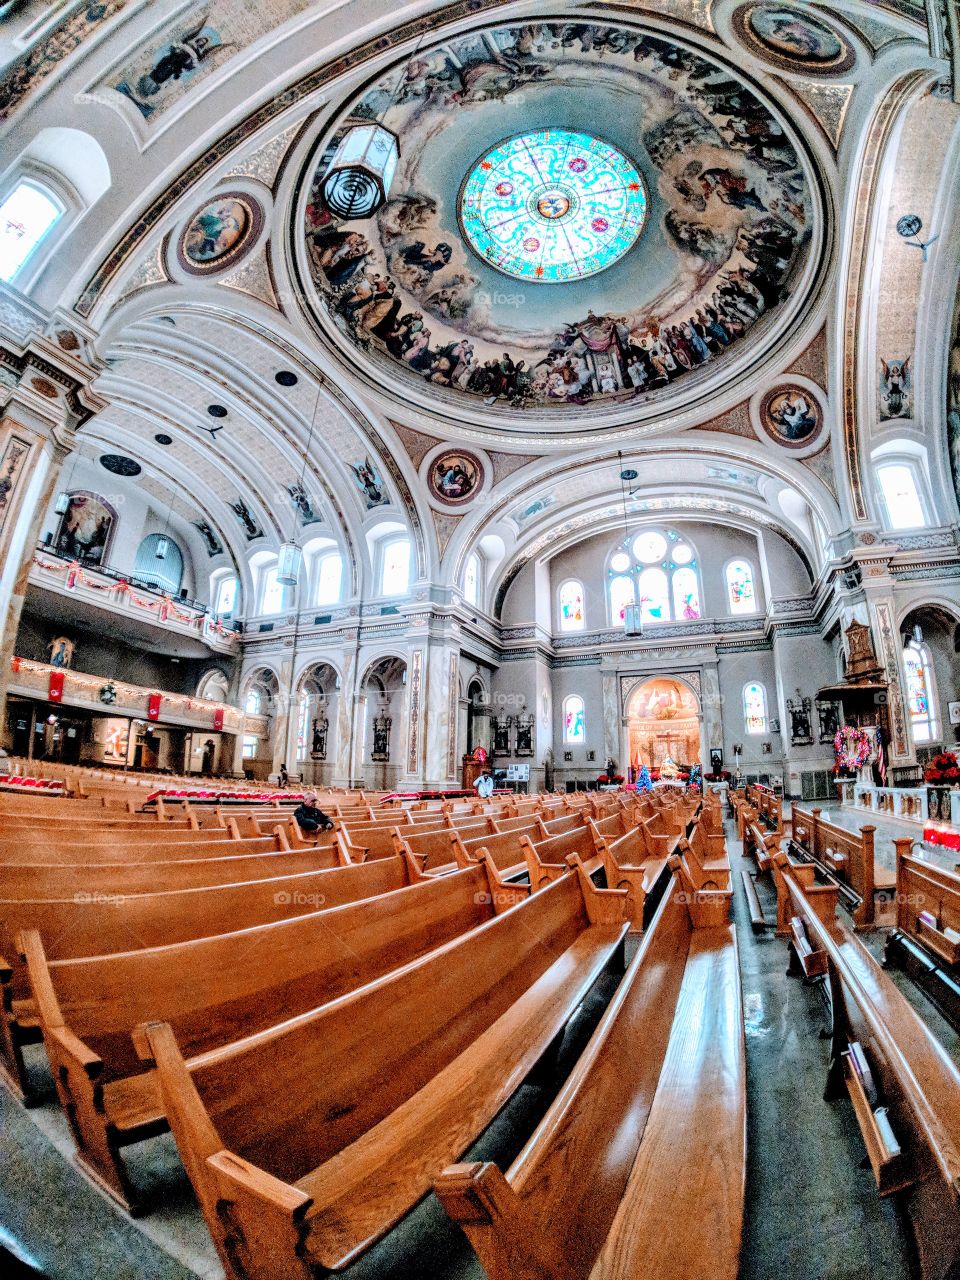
(474,763)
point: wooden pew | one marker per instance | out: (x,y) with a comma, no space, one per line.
(760,845)
(653,1114)
(847,856)
(504,849)
(706,859)
(32,880)
(218,990)
(904,1087)
(433,851)
(92,925)
(630,867)
(284,1138)
(547,860)
(926,941)
(156,850)
(822,897)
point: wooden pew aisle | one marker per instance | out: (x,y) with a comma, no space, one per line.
(847,856)
(904,1087)
(217,990)
(294,1157)
(587,1197)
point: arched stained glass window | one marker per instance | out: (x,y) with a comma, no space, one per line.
(686,595)
(740,593)
(755,708)
(574,729)
(330,579)
(661,566)
(621,595)
(273,596)
(654,596)
(253,703)
(571,606)
(303,727)
(921,698)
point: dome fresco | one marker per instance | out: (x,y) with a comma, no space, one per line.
(648,279)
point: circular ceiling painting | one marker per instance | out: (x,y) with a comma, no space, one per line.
(669,208)
(552,206)
(219,232)
(792,39)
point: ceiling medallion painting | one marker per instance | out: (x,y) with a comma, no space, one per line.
(552,206)
(793,40)
(454,477)
(219,233)
(701,232)
(792,417)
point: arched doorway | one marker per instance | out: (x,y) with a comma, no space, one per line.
(316,738)
(664,722)
(382,722)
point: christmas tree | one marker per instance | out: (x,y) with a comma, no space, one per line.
(643,780)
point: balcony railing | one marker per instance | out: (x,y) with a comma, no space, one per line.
(129,594)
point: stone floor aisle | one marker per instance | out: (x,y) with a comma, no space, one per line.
(812,1212)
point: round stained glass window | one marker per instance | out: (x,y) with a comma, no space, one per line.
(620,563)
(650,547)
(682,554)
(553,206)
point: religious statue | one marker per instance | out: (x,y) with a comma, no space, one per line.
(381,738)
(318,746)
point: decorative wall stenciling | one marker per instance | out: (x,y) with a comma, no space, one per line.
(453,699)
(455,477)
(12,460)
(29,71)
(220,232)
(953,399)
(730,216)
(415,710)
(900,745)
(792,39)
(896,387)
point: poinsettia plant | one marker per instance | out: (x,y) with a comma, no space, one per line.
(943,769)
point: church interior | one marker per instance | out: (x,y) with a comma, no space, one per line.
(480,639)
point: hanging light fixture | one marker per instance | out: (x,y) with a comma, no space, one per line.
(632,615)
(358,180)
(290,559)
(163,542)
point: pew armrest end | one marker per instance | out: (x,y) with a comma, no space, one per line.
(254,1181)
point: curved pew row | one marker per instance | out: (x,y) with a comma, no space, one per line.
(86,924)
(181,847)
(298,1162)
(585,1198)
(904,1087)
(218,990)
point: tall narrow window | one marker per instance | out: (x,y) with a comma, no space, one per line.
(921,699)
(686,595)
(395,572)
(901,497)
(471,581)
(571,606)
(303,727)
(273,596)
(27,214)
(574,729)
(740,592)
(330,579)
(226,598)
(654,596)
(251,744)
(755,708)
(621,595)
(253,703)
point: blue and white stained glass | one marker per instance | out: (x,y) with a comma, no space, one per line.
(553,206)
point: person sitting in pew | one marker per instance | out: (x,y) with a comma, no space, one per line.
(309,817)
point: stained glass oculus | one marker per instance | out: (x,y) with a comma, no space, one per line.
(553,206)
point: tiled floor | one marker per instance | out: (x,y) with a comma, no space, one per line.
(812,1211)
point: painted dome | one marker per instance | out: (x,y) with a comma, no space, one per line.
(581,218)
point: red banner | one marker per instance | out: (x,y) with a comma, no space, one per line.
(218,720)
(55,693)
(153,707)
